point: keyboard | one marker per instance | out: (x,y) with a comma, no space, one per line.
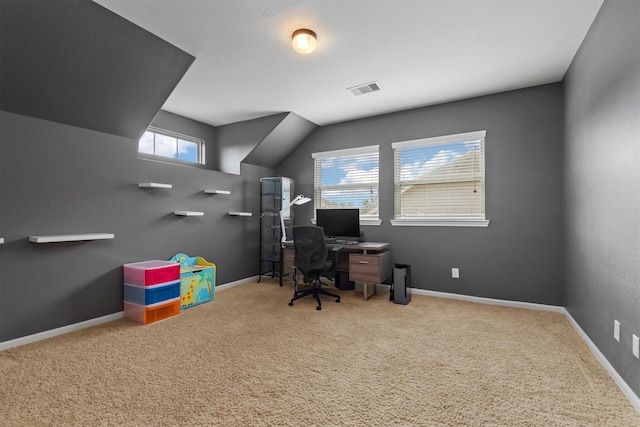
(347,242)
(334,241)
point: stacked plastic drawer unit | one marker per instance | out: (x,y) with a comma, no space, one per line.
(151,290)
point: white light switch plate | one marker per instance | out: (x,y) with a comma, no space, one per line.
(636,346)
(616,330)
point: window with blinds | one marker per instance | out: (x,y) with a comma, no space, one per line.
(348,179)
(440,181)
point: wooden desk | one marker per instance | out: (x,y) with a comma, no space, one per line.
(368,263)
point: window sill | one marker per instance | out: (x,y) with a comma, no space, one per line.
(440,223)
(169,160)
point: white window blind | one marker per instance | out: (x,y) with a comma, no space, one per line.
(440,180)
(348,179)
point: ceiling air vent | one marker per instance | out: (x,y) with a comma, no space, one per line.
(365,88)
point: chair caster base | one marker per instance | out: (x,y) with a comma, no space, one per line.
(315,291)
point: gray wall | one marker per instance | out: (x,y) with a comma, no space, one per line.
(602,185)
(60,179)
(519,256)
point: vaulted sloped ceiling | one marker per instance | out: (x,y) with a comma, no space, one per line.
(264,141)
(77,63)
(290,132)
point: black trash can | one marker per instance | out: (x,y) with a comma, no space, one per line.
(401,288)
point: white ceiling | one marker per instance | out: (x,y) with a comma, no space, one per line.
(421,52)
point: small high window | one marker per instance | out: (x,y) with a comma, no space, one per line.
(158,144)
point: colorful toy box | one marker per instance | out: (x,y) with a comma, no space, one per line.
(197,280)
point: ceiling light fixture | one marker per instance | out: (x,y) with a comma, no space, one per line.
(304,41)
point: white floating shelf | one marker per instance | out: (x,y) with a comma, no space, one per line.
(189,213)
(217,192)
(240,213)
(154,185)
(70,237)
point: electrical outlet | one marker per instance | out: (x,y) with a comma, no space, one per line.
(616,330)
(455,273)
(636,346)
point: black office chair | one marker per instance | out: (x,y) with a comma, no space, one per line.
(312,260)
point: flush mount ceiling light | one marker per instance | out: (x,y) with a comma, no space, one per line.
(304,41)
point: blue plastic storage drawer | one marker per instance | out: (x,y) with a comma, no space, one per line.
(145,295)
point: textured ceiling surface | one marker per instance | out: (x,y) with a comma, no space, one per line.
(421,52)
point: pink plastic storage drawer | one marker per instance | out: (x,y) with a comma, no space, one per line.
(152,272)
(152,313)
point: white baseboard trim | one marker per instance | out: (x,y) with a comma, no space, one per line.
(631,396)
(236,283)
(4,345)
(490,301)
(60,331)
(624,387)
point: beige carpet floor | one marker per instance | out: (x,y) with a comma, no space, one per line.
(248,359)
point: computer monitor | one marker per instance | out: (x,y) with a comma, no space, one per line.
(343,223)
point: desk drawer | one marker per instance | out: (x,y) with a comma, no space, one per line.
(370,268)
(361,259)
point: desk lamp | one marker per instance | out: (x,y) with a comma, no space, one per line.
(298,200)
